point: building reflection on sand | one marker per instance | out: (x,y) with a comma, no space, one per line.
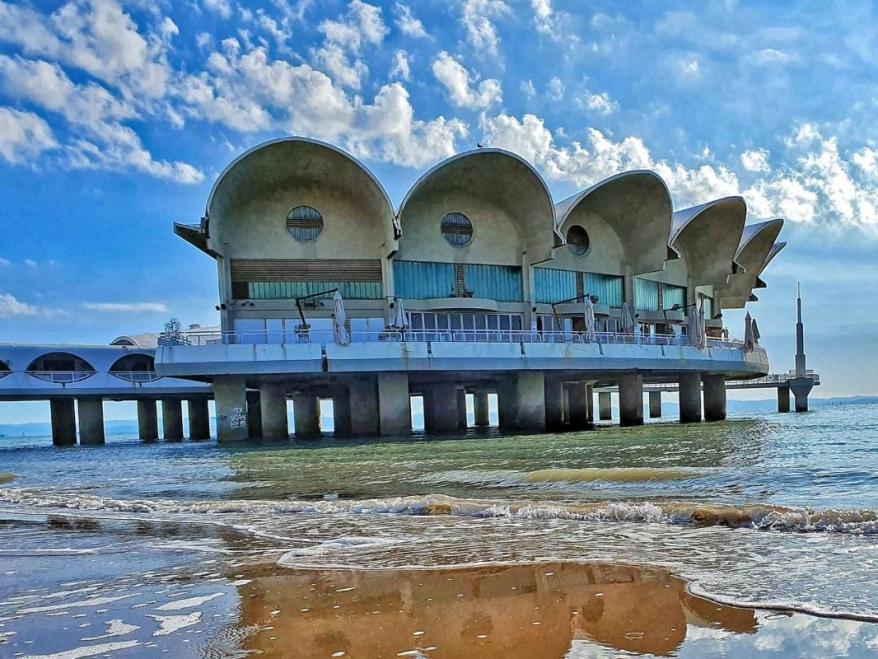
(498,611)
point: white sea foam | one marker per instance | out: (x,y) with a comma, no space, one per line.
(178,605)
(115,627)
(94,601)
(86,651)
(170,624)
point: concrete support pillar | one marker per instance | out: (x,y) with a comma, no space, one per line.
(230,396)
(462,422)
(91,420)
(199,418)
(506,402)
(394,403)
(631,399)
(783,399)
(690,397)
(589,403)
(577,404)
(363,406)
(482,410)
(254,415)
(714,397)
(306,415)
(172,419)
(440,408)
(147,419)
(273,410)
(655,404)
(801,402)
(341,411)
(605,406)
(531,401)
(554,404)
(63,421)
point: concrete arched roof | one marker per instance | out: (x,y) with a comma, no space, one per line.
(708,236)
(145,355)
(275,163)
(637,205)
(757,244)
(61,354)
(149,340)
(507,180)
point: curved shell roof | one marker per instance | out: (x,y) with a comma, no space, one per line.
(757,244)
(708,237)
(507,180)
(637,205)
(285,161)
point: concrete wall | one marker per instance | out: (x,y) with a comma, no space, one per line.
(606,254)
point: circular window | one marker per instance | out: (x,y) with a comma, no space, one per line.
(457,229)
(577,240)
(304,223)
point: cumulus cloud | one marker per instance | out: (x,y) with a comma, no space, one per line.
(599,156)
(477,19)
(462,90)
(756,160)
(23,136)
(10,306)
(362,25)
(600,104)
(221,7)
(400,68)
(408,24)
(125,307)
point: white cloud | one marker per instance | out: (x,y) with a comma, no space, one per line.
(866,160)
(462,91)
(408,24)
(477,20)
(333,59)
(756,160)
(126,307)
(599,103)
(221,7)
(528,89)
(361,25)
(23,136)
(400,68)
(543,16)
(555,89)
(10,306)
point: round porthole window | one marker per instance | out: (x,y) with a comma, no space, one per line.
(304,223)
(457,229)
(577,240)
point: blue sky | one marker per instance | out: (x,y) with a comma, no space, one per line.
(115,118)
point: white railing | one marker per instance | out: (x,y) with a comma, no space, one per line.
(136,376)
(61,377)
(260,337)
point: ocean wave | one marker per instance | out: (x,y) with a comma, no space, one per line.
(759,516)
(561,476)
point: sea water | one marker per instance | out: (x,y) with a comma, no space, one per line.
(140,548)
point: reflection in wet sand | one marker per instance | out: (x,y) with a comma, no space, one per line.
(526,611)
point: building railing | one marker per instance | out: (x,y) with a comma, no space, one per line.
(61,377)
(136,376)
(263,337)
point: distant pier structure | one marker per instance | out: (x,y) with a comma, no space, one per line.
(801,380)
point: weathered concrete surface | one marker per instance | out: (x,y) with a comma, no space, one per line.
(341,411)
(273,404)
(440,408)
(577,397)
(655,404)
(482,409)
(395,404)
(690,397)
(531,401)
(91,421)
(631,399)
(147,419)
(783,399)
(231,409)
(365,421)
(306,415)
(554,403)
(199,418)
(714,397)
(172,419)
(63,421)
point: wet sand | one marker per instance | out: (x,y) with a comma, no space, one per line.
(527,611)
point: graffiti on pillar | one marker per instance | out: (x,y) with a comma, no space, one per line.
(237,419)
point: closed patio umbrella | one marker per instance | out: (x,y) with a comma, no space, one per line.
(749,342)
(342,337)
(756,334)
(400,319)
(702,329)
(692,326)
(590,333)
(627,318)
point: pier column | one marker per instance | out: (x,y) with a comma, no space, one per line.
(506,402)
(199,418)
(531,401)
(589,404)
(690,397)
(395,404)
(554,404)
(63,421)
(462,422)
(341,411)
(273,409)
(631,399)
(172,419)
(230,396)
(605,406)
(440,408)
(91,421)
(714,397)
(254,415)
(655,404)
(578,404)
(482,409)
(783,399)
(306,415)
(363,406)
(147,419)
